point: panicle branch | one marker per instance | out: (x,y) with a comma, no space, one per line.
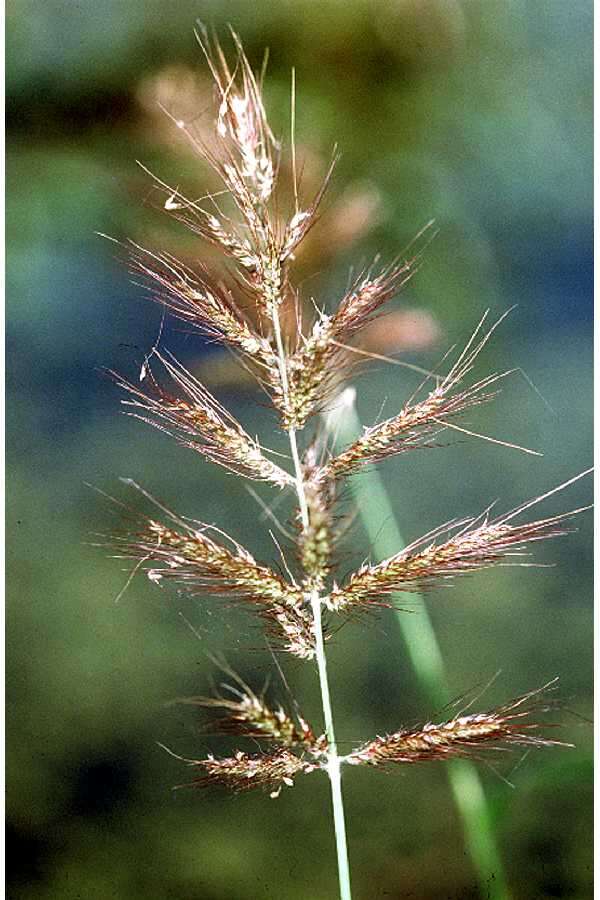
(198,421)
(317,366)
(478,543)
(248,714)
(192,559)
(242,123)
(195,298)
(418,422)
(464,735)
(243,771)
(316,539)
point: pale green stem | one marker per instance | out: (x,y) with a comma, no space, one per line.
(333,760)
(424,651)
(333,768)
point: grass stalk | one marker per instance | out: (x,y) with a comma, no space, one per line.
(422,646)
(333,760)
(333,767)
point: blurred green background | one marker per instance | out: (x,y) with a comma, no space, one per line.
(475,113)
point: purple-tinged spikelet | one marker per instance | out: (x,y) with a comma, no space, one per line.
(465,735)
(244,771)
(420,421)
(477,543)
(198,421)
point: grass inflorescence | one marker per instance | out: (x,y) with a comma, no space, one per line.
(248,307)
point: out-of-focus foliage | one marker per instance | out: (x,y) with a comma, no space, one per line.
(474,113)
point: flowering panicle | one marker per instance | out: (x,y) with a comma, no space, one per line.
(418,422)
(200,422)
(464,735)
(477,543)
(247,222)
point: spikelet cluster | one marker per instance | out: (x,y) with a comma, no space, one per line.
(197,299)
(464,735)
(190,558)
(477,543)
(294,750)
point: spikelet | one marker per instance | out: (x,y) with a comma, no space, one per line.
(247,714)
(191,559)
(193,297)
(198,421)
(465,735)
(478,543)
(244,772)
(418,422)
